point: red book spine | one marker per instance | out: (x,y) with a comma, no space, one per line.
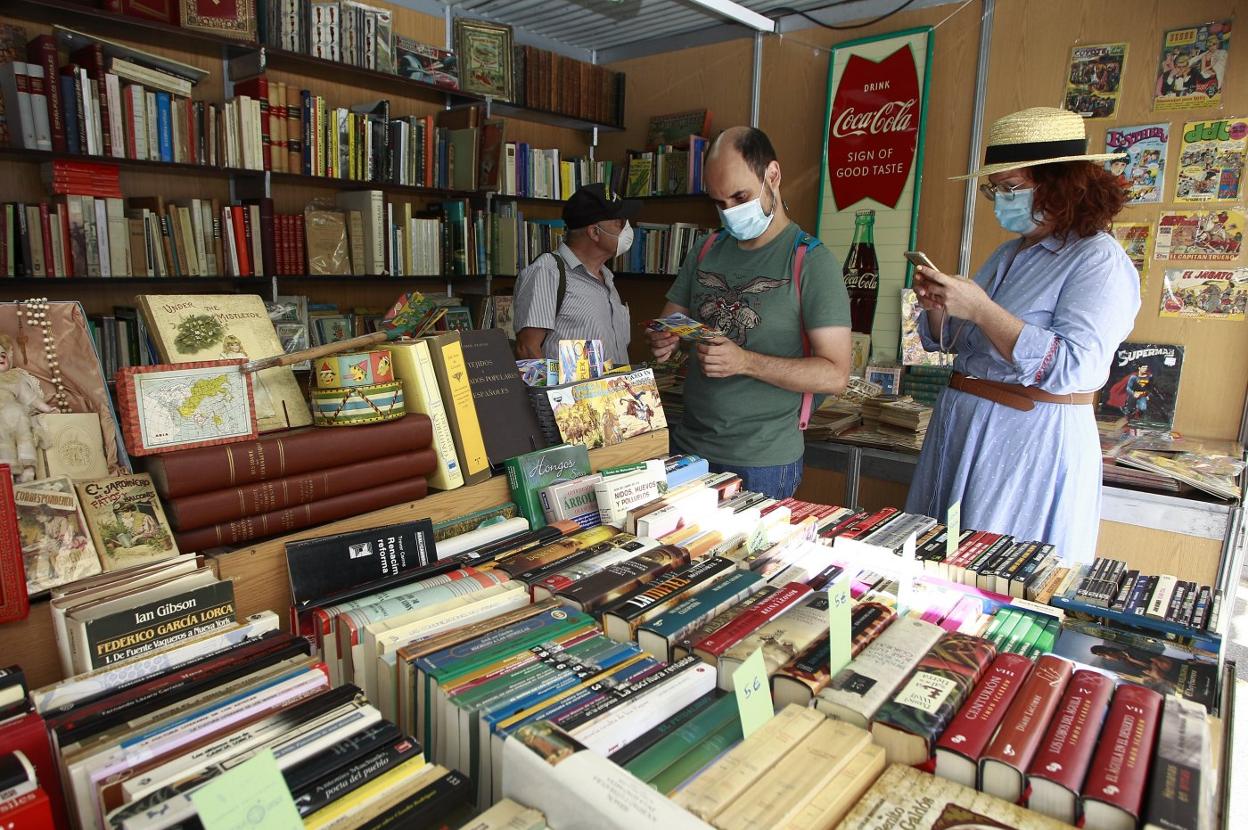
(976,722)
(301,249)
(32,811)
(1022,727)
(45,228)
(253,268)
(868,523)
(91,58)
(291,519)
(241,245)
(127,111)
(28,734)
(203,469)
(42,51)
(1066,750)
(221,506)
(14,604)
(755,618)
(1119,770)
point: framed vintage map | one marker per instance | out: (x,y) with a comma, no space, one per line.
(172,407)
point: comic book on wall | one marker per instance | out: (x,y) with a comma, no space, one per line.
(1143,385)
(606,411)
(1094,79)
(1192,68)
(1211,164)
(1134,238)
(1143,172)
(1205,294)
(1208,235)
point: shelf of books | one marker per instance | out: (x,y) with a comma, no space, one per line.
(614,638)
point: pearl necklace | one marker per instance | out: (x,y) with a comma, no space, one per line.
(35,312)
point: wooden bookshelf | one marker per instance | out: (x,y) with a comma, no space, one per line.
(259,571)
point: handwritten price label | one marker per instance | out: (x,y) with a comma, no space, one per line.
(753,690)
(953,533)
(840,635)
(251,796)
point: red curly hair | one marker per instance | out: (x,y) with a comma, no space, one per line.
(1077,196)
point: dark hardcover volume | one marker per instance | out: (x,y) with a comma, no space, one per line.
(648,739)
(1175,792)
(508,423)
(1143,385)
(320,567)
(927,702)
(147,628)
(356,774)
(444,803)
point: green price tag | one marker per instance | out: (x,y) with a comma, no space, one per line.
(953,532)
(753,693)
(840,634)
(252,796)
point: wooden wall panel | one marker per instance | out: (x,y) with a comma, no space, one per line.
(1030,52)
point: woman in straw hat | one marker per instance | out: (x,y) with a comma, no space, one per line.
(1014,438)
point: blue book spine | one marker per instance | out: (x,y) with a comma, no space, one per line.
(577,701)
(703,604)
(164,125)
(69,106)
(691,468)
(1137,598)
(563,618)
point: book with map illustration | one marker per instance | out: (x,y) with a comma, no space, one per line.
(126,520)
(193,328)
(167,407)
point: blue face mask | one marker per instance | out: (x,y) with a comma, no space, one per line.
(1016,215)
(747,221)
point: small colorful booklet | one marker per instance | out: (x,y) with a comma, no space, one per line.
(684,327)
(580,360)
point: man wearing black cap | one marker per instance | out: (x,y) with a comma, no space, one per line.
(570,294)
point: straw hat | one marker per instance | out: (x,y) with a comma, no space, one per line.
(1039,135)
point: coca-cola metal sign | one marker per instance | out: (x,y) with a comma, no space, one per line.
(873,159)
(874,129)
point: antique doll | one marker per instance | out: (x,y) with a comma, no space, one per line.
(21,398)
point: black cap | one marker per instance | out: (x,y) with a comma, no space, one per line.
(590,204)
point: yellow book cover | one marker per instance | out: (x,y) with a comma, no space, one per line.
(404,776)
(414,368)
(461,410)
(126,520)
(194,327)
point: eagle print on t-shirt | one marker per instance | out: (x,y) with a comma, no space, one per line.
(728,309)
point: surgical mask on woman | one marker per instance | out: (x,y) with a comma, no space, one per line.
(623,239)
(1014,211)
(747,221)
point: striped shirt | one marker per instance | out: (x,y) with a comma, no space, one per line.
(591,308)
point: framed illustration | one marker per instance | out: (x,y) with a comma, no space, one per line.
(333,328)
(236,19)
(484,51)
(169,406)
(425,63)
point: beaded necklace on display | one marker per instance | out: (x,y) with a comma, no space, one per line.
(34,312)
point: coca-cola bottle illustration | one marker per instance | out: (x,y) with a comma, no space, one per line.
(862,272)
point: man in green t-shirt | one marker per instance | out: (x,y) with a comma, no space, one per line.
(744,391)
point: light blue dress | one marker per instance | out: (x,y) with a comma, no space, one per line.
(1035,475)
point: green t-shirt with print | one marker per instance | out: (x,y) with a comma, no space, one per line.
(749,295)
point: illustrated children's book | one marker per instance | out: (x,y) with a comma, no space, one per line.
(606,411)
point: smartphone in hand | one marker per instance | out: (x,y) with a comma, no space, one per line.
(920,258)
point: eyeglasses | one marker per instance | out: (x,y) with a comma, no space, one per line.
(1007,192)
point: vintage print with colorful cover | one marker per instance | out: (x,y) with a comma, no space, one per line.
(1206,294)
(126,521)
(1212,235)
(1143,172)
(580,360)
(1134,238)
(1143,385)
(56,545)
(1211,165)
(1094,81)
(425,63)
(484,51)
(606,411)
(169,407)
(1193,66)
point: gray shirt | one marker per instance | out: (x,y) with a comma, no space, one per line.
(591,308)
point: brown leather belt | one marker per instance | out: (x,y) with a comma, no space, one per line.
(1013,395)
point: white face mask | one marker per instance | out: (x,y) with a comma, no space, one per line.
(747,220)
(623,239)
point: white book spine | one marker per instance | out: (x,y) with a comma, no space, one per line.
(628,721)
(39,105)
(116,125)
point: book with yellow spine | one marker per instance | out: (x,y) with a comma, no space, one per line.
(461,409)
(831,804)
(413,367)
(377,795)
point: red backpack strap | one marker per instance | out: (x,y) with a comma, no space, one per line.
(808,398)
(711,239)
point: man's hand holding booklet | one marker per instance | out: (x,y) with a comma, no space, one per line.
(684,327)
